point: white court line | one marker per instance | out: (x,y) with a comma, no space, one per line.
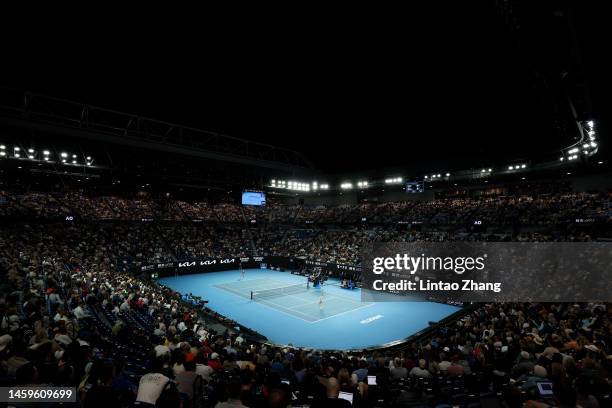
(280,308)
(328,317)
(290,309)
(300,304)
(347,311)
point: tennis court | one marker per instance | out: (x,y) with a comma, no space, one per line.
(293,316)
(296,300)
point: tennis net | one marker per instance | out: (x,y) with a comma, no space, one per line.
(283,290)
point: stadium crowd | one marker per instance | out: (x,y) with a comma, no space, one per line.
(74,313)
(548,209)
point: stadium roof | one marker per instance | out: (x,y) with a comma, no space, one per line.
(444,87)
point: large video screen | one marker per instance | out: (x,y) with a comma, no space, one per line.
(253,198)
(415,187)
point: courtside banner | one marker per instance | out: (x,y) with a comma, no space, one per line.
(487,272)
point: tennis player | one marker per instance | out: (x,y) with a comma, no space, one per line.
(242,272)
(321,304)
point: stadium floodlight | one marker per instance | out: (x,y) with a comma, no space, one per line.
(593,144)
(30,156)
(489,170)
(88,158)
(574,150)
(591,123)
(561,158)
(74,156)
(510,167)
(17,155)
(2,147)
(394,180)
(63,160)
(585,146)
(46,152)
(2,153)
(30,150)
(438,176)
(64,154)
(74,162)
(447,174)
(599,162)
(346,186)
(46,159)
(426,177)
(324,186)
(482,171)
(523,166)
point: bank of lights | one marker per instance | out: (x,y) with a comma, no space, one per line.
(436,176)
(588,144)
(298,185)
(346,186)
(32,154)
(395,180)
(362,184)
(517,167)
(486,170)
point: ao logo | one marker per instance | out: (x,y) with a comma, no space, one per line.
(371,319)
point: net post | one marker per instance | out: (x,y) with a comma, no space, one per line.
(251,295)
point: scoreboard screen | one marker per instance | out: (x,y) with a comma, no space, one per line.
(414,187)
(253,198)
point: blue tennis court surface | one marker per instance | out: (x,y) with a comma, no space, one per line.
(342,321)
